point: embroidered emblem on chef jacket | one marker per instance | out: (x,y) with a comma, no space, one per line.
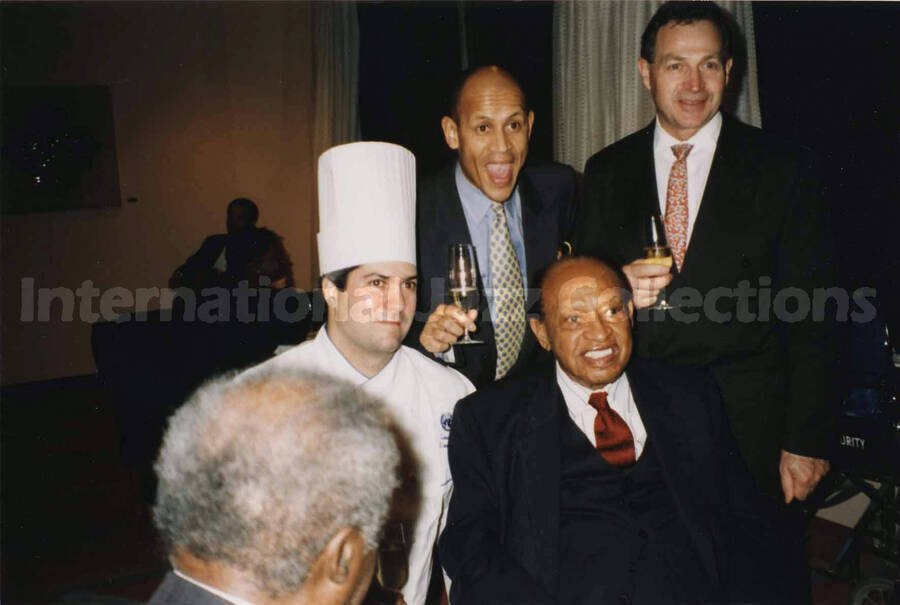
(446,420)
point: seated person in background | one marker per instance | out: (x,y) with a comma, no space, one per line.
(273,488)
(267,259)
(225,259)
(604,479)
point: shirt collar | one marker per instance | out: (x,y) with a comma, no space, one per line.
(612,389)
(704,139)
(219,593)
(350,373)
(475,203)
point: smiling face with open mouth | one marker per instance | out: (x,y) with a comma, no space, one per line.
(490,132)
(687,76)
(587,321)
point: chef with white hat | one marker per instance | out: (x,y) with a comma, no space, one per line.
(367,260)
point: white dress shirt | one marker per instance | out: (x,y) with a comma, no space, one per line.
(699,161)
(620,399)
(421,394)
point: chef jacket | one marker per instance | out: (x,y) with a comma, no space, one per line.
(421,394)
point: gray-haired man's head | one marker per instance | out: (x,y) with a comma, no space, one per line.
(261,473)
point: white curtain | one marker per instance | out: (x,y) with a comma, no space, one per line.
(336,63)
(598,96)
(335,36)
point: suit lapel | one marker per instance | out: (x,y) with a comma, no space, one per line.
(450,223)
(643,192)
(538,445)
(663,427)
(649,195)
(537,245)
(666,430)
(722,213)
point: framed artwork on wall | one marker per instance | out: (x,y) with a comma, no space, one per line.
(58,148)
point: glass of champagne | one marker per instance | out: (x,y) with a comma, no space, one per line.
(463,278)
(657,252)
(391,562)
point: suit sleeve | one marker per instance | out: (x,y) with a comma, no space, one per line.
(568,206)
(806,261)
(589,222)
(425,302)
(205,256)
(470,548)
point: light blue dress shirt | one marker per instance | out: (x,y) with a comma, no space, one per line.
(477,209)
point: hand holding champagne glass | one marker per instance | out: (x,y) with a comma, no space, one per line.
(463,278)
(657,252)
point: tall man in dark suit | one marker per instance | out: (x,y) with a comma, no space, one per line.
(273,487)
(751,240)
(515,216)
(602,479)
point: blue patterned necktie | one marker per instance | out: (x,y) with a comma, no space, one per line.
(508,291)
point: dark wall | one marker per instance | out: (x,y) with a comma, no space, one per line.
(410,55)
(210,101)
(828,79)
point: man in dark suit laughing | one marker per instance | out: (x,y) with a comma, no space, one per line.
(602,479)
(515,215)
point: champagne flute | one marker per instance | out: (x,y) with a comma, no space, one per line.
(657,252)
(391,562)
(463,279)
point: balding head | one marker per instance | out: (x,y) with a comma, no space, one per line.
(563,269)
(477,73)
(490,126)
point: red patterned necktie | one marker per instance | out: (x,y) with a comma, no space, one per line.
(614,439)
(677,204)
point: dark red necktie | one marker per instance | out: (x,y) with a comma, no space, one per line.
(614,439)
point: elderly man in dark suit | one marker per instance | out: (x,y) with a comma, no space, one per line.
(602,479)
(750,237)
(273,487)
(516,217)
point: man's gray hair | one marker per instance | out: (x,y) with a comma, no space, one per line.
(261,470)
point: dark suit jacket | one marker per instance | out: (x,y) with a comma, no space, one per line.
(548,207)
(197,271)
(501,540)
(761,221)
(176,591)
(206,256)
